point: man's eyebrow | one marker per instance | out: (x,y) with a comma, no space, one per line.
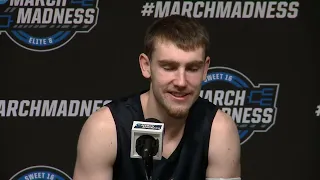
(196,63)
(169,61)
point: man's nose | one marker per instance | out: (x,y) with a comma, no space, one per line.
(180,79)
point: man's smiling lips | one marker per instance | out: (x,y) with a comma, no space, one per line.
(180,96)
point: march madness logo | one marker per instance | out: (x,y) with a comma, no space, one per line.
(45,25)
(252,107)
(40,172)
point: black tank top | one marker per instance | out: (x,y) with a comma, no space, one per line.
(187,162)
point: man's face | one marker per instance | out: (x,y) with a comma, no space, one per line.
(176,77)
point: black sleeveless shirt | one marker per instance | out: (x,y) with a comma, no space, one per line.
(187,162)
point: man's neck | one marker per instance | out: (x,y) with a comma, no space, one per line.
(151,109)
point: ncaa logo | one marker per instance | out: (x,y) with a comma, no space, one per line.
(40,172)
(46,25)
(252,107)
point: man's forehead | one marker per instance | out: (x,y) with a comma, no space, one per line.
(169,50)
(164,43)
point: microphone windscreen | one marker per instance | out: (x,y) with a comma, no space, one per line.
(152,120)
(143,129)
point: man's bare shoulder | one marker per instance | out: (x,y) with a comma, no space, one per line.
(224,148)
(97,145)
(223,122)
(101,121)
(99,131)
(224,130)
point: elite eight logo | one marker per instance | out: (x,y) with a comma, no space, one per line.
(251,106)
(45,25)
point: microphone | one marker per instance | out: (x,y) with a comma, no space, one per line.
(146,142)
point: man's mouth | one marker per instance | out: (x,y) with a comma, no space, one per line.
(179,95)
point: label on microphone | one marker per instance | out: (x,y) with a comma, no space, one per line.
(148,126)
(140,128)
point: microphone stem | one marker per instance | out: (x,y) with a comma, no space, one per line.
(148,162)
(145,148)
(147,157)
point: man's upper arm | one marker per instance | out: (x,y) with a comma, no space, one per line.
(97,147)
(224,148)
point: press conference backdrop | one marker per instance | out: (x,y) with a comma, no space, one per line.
(62,60)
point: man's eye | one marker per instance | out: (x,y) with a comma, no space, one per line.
(168,68)
(194,69)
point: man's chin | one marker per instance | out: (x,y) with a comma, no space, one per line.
(178,112)
(178,115)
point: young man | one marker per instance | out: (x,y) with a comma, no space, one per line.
(200,142)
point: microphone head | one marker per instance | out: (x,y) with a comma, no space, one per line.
(147,144)
(151,127)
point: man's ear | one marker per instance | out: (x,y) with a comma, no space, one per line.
(206,67)
(145,65)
